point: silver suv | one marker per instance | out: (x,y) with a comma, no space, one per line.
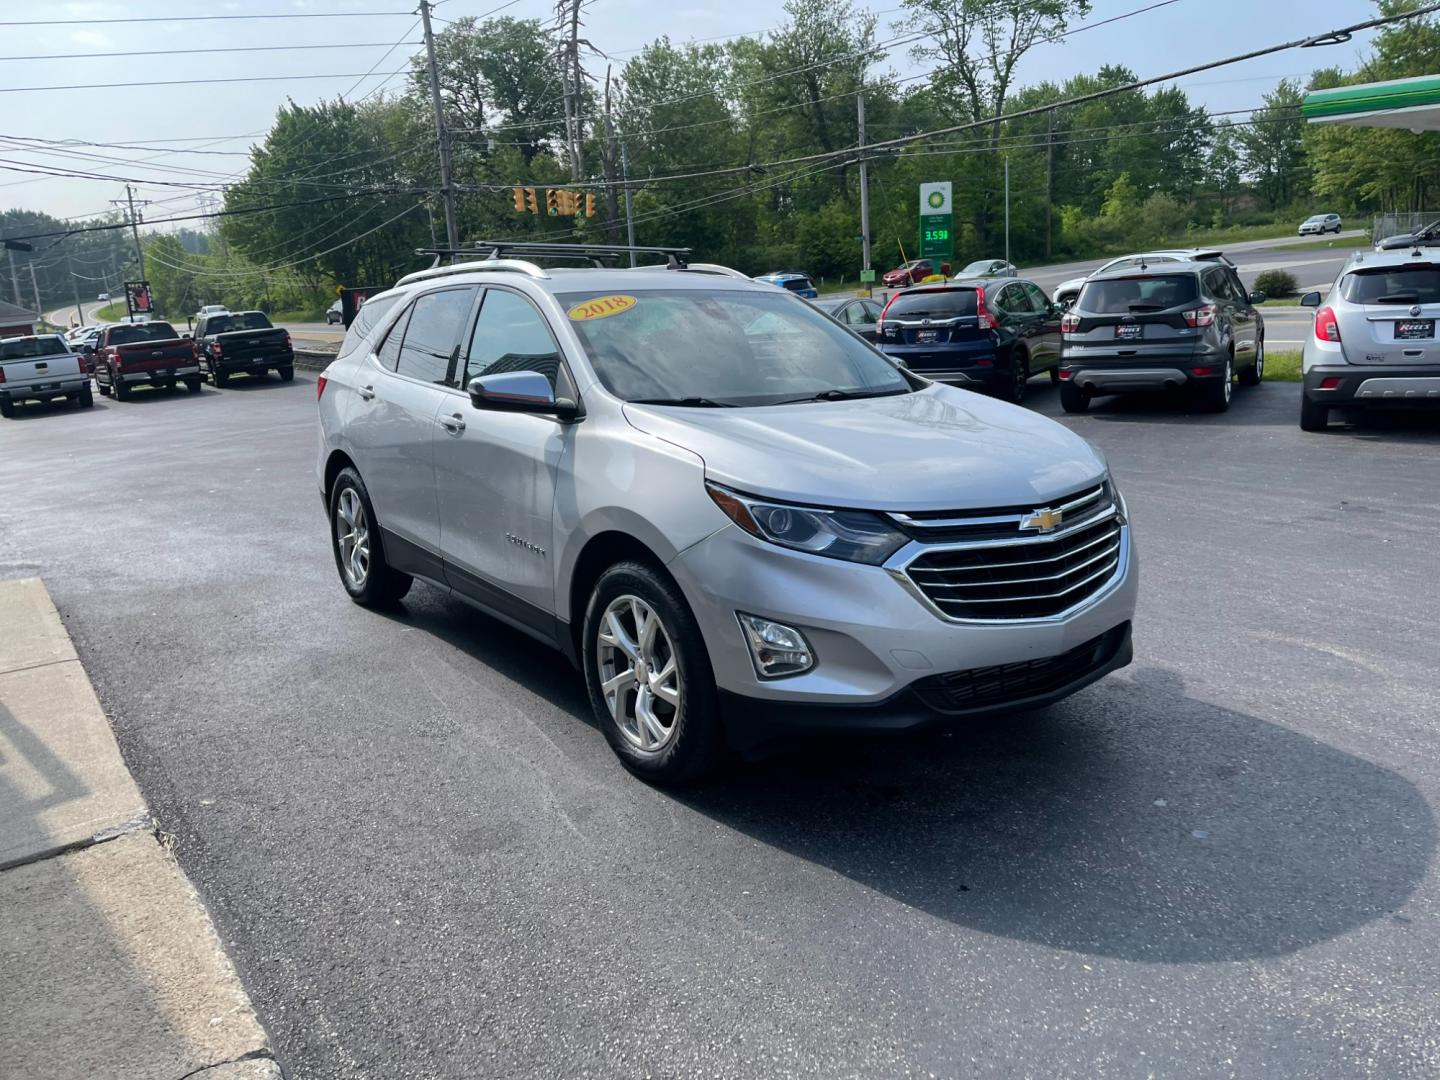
(739,518)
(1373,340)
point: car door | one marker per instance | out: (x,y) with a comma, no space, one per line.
(1018,317)
(393,426)
(1046,341)
(862,316)
(1244,319)
(495,471)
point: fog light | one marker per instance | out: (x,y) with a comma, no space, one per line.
(776,650)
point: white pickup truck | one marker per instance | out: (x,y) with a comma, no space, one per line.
(40,367)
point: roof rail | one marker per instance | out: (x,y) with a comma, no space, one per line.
(514,266)
(593,253)
(702,268)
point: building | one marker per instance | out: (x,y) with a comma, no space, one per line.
(15,321)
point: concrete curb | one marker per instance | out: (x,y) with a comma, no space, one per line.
(109,964)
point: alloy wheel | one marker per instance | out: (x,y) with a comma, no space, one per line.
(639,673)
(1229,380)
(352,534)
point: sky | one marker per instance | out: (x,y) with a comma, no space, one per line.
(229,117)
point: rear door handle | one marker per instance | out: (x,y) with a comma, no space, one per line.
(454,423)
(366,392)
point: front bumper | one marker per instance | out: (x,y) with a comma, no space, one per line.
(872,636)
(1372,384)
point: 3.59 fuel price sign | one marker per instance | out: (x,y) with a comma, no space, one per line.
(936,221)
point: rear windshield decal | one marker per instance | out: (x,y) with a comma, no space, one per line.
(602,307)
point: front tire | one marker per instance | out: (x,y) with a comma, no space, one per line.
(1073,399)
(649,676)
(1313,416)
(355,541)
(104,388)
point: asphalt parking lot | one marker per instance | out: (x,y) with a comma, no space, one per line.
(426,862)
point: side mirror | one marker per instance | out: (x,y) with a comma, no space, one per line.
(520,391)
(186,337)
(1310,299)
(1257,298)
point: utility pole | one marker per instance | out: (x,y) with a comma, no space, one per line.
(1007,207)
(629,213)
(608,155)
(129,201)
(864,183)
(14,278)
(447,183)
(75,287)
(1049,179)
(35,285)
(569,57)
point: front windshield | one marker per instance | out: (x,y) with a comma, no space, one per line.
(977,268)
(723,347)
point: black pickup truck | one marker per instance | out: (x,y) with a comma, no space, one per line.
(242,343)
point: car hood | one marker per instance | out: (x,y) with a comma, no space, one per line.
(938,449)
(1071,283)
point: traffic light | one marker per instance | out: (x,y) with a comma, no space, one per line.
(567,203)
(530,203)
(552,202)
(519,199)
(589,204)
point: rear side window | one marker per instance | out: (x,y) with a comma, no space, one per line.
(933,304)
(436,322)
(365,320)
(1119,296)
(1392,285)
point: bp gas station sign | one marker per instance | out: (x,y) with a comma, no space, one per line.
(936,221)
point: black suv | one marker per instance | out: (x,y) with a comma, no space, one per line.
(1189,325)
(981,335)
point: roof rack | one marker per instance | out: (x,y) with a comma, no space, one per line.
(596,254)
(515,266)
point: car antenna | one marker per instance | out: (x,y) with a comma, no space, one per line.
(1142,264)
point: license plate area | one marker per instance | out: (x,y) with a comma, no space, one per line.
(1415,330)
(1129,331)
(925,337)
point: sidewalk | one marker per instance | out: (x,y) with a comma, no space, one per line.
(108,963)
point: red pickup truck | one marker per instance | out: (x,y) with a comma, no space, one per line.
(128,355)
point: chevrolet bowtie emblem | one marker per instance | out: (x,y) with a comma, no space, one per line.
(1046,520)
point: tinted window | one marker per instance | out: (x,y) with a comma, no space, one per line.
(1013,298)
(436,322)
(1393,285)
(246,320)
(133,332)
(797,284)
(389,352)
(932,304)
(1121,295)
(856,315)
(509,335)
(27,347)
(1038,300)
(365,319)
(740,347)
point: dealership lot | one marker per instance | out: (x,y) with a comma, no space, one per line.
(425,861)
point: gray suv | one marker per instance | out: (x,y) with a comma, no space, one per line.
(1187,325)
(735,515)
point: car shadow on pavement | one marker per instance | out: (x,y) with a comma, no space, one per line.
(1131,821)
(41,410)
(1247,407)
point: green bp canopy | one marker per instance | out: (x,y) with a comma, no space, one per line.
(1413,104)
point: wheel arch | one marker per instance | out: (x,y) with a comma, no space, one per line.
(337,461)
(600,552)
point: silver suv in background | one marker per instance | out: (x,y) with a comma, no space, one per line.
(737,517)
(1373,340)
(1188,326)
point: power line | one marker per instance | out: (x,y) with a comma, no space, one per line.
(187,82)
(210,18)
(191,52)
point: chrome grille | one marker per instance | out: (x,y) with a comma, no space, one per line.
(1023,576)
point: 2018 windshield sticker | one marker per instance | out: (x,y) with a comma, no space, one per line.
(602,307)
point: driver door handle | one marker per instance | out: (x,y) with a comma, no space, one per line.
(454,423)
(366,392)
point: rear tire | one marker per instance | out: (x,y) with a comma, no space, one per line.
(1054,376)
(355,541)
(690,743)
(1252,376)
(1073,399)
(287,374)
(122,392)
(86,398)
(194,385)
(1014,389)
(1313,416)
(222,378)
(7,408)
(104,388)
(1215,395)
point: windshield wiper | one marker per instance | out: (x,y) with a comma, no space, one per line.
(841,395)
(689,402)
(1399,298)
(1144,306)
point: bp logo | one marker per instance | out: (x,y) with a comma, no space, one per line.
(936,199)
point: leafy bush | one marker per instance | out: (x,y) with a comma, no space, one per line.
(1276,283)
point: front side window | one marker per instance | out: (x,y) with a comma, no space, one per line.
(509,335)
(433,335)
(723,347)
(858,316)
(1038,300)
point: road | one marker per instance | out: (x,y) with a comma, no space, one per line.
(426,862)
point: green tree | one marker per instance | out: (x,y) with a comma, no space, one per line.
(1273,147)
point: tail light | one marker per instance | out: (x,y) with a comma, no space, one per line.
(1327,327)
(2,374)
(217,348)
(320,382)
(1200,316)
(880,330)
(987,317)
(194,351)
(1069,323)
(287,339)
(116,359)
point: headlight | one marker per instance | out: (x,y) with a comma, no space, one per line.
(854,535)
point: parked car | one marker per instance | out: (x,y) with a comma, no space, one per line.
(334,314)
(987,268)
(982,335)
(1067,291)
(731,550)
(243,343)
(1319,224)
(858,313)
(210,309)
(41,367)
(104,296)
(799,284)
(1187,325)
(82,343)
(1373,339)
(128,355)
(914,272)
